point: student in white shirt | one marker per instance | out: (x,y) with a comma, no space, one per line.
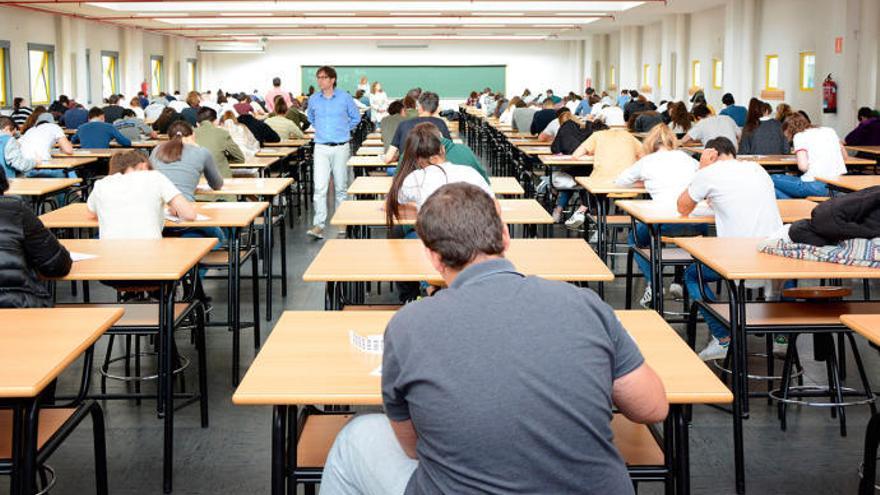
(612,116)
(39,136)
(424,169)
(709,127)
(130,203)
(135,106)
(820,155)
(378,103)
(665,171)
(743,199)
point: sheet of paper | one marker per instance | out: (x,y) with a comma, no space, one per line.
(203,187)
(221,205)
(81,256)
(372,344)
(377,371)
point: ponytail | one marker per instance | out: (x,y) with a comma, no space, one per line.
(172,150)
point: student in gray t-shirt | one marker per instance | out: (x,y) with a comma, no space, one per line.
(485,394)
(132,127)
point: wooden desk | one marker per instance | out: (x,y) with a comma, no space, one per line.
(38,187)
(36,345)
(872,150)
(566,161)
(88,153)
(374,135)
(240,186)
(280,152)
(370,151)
(261,163)
(600,190)
(239,215)
(65,163)
(372,142)
(791,160)
(403,260)
(372,213)
(535,150)
(852,182)
(737,260)
(145,144)
(511,134)
(369,162)
(289,143)
(367,185)
(165,262)
(527,141)
(309,360)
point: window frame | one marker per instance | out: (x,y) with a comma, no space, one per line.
(5,75)
(660,75)
(717,64)
(612,77)
(194,83)
(114,56)
(802,73)
(767,59)
(157,88)
(646,75)
(696,76)
(49,76)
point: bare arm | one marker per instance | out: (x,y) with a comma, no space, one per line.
(686,204)
(803,160)
(390,155)
(640,396)
(182,208)
(406,435)
(65,146)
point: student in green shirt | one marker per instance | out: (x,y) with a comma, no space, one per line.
(460,154)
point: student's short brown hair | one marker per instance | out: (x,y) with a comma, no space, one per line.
(459,222)
(124,160)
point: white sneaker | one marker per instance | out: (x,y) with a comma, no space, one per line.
(647,298)
(714,350)
(575,220)
(780,346)
(676,291)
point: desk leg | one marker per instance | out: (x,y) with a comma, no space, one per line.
(268,260)
(235,300)
(869,464)
(682,466)
(740,395)
(601,226)
(166,377)
(656,252)
(279,438)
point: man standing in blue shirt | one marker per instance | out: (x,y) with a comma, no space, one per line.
(735,112)
(97,134)
(334,115)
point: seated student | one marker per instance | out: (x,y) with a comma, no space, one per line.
(613,150)
(242,136)
(552,97)
(543,117)
(548,134)
(244,105)
(409,106)
(867,133)
(741,195)
(585,105)
(423,169)
(623,98)
(665,171)
(819,155)
(224,104)
(166,118)
(428,105)
(133,127)
(783,111)
(637,104)
(261,131)
(20,112)
(39,135)
(28,251)
(610,115)
(570,135)
(113,111)
(284,127)
(298,117)
(522,118)
(709,127)
(506,116)
(644,121)
(154,109)
(98,134)
(437,434)
(75,117)
(135,106)
(130,203)
(178,104)
(190,113)
(218,141)
(461,154)
(388,125)
(680,121)
(762,134)
(12,162)
(732,110)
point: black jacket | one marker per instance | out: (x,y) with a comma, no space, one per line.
(635,106)
(569,137)
(541,120)
(27,250)
(259,129)
(851,216)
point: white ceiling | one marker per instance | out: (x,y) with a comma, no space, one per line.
(367,19)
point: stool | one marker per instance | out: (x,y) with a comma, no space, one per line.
(823,350)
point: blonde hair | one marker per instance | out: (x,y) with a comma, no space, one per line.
(373,86)
(659,136)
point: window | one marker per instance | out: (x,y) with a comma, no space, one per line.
(157,81)
(808,71)
(191,78)
(659,76)
(646,75)
(696,80)
(771,67)
(717,73)
(109,73)
(612,78)
(41,65)
(5,76)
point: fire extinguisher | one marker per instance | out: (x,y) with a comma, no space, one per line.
(829,95)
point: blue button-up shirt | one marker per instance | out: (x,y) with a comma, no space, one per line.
(583,108)
(333,118)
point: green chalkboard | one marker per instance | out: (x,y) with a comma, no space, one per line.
(456,81)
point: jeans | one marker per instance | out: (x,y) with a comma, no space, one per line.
(565,196)
(642,238)
(50,174)
(716,328)
(367,459)
(329,160)
(789,186)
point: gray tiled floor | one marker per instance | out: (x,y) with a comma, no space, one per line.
(232,455)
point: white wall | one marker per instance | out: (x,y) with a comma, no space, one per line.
(706,42)
(71,38)
(533,65)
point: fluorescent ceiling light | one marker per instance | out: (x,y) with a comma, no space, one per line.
(173,14)
(252,14)
(374,21)
(407,37)
(404,14)
(504,14)
(329,14)
(300,7)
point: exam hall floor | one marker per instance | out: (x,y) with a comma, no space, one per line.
(232,455)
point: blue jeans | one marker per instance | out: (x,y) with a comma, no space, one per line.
(367,459)
(789,186)
(716,328)
(50,174)
(642,238)
(565,196)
